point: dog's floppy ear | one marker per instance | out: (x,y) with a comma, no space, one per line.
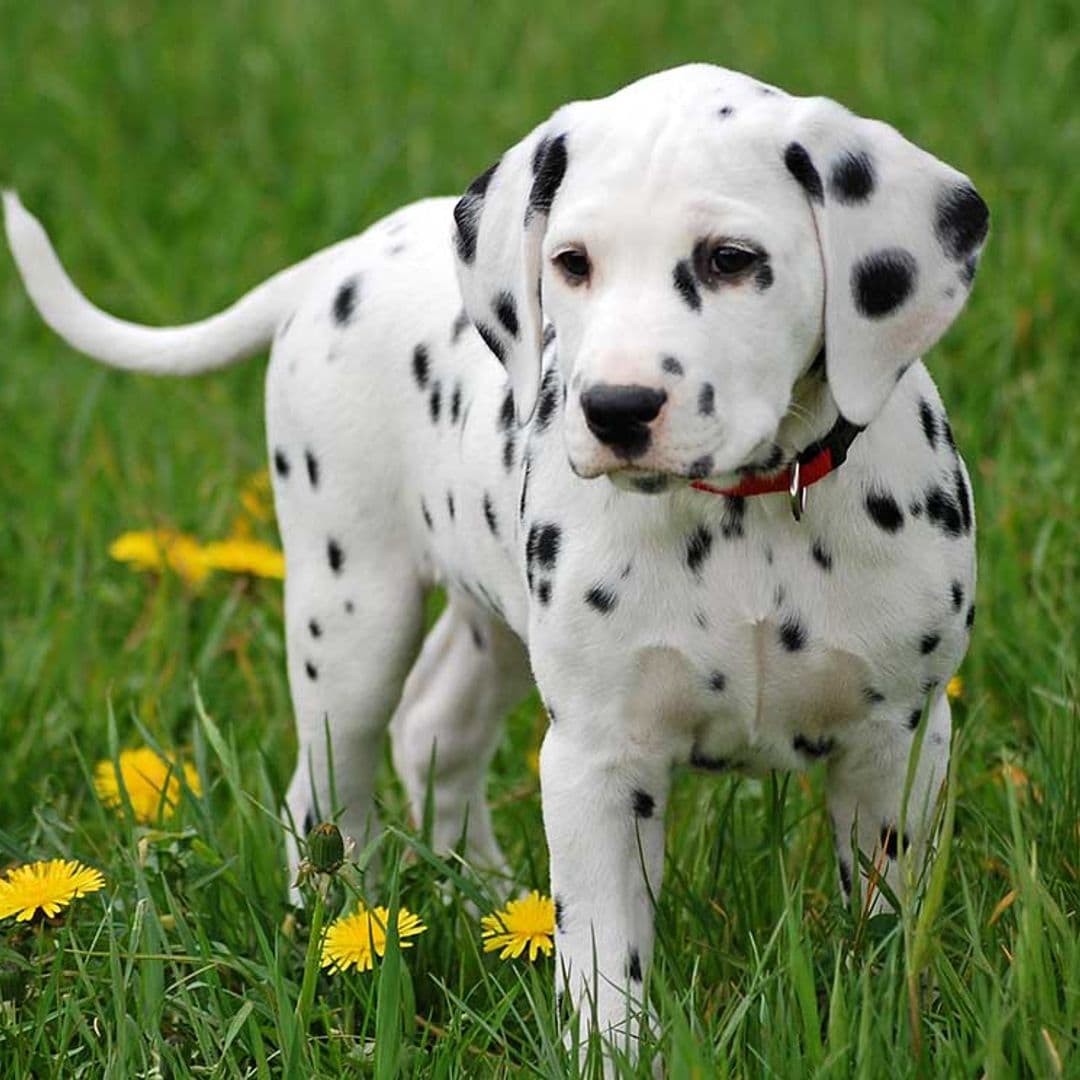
(500,223)
(900,235)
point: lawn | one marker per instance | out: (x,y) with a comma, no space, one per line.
(179,153)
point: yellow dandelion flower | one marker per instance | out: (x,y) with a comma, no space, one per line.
(256,497)
(45,886)
(529,921)
(954,688)
(156,549)
(243,556)
(151,781)
(354,940)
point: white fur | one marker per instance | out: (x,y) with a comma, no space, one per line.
(660,628)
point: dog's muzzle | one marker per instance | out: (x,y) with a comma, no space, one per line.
(619,416)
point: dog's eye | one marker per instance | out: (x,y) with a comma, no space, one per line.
(727,260)
(574,264)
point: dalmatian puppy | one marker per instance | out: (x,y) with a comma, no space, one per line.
(647,401)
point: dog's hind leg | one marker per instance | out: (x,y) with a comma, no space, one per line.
(471,672)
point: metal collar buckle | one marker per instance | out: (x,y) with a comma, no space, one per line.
(796,492)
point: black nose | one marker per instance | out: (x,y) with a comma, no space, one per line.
(619,416)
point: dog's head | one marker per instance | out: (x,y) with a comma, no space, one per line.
(695,240)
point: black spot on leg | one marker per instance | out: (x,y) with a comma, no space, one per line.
(311,669)
(560,914)
(884,511)
(845,875)
(928,643)
(421,366)
(792,633)
(698,546)
(802,168)
(506,312)
(882,281)
(706,402)
(929,422)
(821,555)
(314,628)
(671,366)
(345,301)
(891,842)
(644,804)
(851,180)
(814,748)
(335,556)
(633,965)
(961,221)
(685,285)
(602,599)
(509,449)
(281,463)
(312,463)
(489,515)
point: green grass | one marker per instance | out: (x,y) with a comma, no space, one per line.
(180,153)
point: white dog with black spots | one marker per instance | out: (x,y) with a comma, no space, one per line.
(605,401)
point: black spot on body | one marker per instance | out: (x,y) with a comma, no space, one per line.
(460,325)
(509,448)
(929,422)
(506,412)
(792,634)
(467,214)
(731,525)
(892,842)
(560,910)
(881,282)
(814,748)
(928,643)
(312,468)
(314,628)
(963,499)
(845,875)
(543,592)
(725,112)
(671,366)
(969,621)
(943,513)
(335,556)
(311,669)
(491,340)
(698,546)
(644,804)
(450,509)
(601,599)
(685,285)
(706,402)
(549,168)
(802,168)
(872,696)
(821,556)
(426,514)
(478,638)
(489,515)
(421,366)
(506,312)
(957,593)
(914,717)
(961,221)
(455,404)
(884,511)
(633,965)
(852,179)
(717,681)
(345,301)
(281,463)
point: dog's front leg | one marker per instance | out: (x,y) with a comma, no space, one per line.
(603,814)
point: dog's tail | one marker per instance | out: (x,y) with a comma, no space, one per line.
(238,331)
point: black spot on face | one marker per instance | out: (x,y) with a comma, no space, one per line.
(315,628)
(426,514)
(698,546)
(763,276)
(421,366)
(633,965)
(467,214)
(685,285)
(967,271)
(335,556)
(814,748)
(506,312)
(491,340)
(549,168)
(672,366)
(700,467)
(884,511)
(281,463)
(881,282)
(601,599)
(821,556)
(957,592)
(489,515)
(928,643)
(706,402)
(717,682)
(460,325)
(852,179)
(961,221)
(345,301)
(929,422)
(312,468)
(644,804)
(802,168)
(892,842)
(311,669)
(792,634)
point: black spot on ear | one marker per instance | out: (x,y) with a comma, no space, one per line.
(884,511)
(311,669)
(685,284)
(345,301)
(969,621)
(633,965)
(928,643)
(892,842)
(601,599)
(698,546)
(672,366)
(700,467)
(560,910)
(459,326)
(814,748)
(706,401)
(548,400)
(792,634)
(543,592)
(467,214)
(851,180)
(929,422)
(281,463)
(312,468)
(435,402)
(881,282)
(506,312)
(961,221)
(549,168)
(450,509)
(421,366)
(967,271)
(644,804)
(426,514)
(949,438)
(821,555)
(717,681)
(524,496)
(335,556)
(802,168)
(489,515)
(315,628)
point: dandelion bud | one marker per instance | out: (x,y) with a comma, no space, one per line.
(326,849)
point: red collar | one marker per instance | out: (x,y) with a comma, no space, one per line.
(813,464)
